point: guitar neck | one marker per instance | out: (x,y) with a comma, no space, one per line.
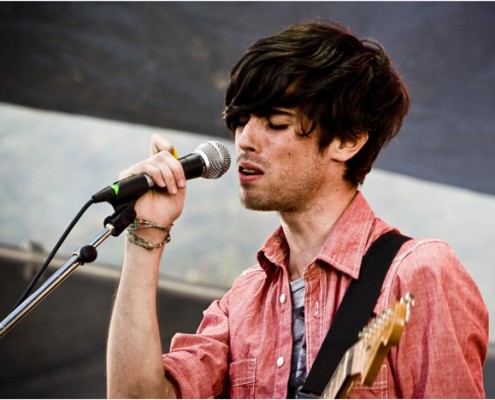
(344,376)
(365,358)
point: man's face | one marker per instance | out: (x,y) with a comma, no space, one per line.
(278,169)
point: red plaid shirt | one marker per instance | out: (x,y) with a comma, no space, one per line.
(243,346)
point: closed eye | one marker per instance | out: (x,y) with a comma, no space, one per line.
(277,127)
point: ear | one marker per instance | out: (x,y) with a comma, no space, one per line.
(343,151)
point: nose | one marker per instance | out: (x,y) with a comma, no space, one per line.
(247,135)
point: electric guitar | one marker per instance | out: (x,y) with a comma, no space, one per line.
(364,359)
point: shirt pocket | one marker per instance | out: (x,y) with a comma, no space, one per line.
(242,378)
(379,389)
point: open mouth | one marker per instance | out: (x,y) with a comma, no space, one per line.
(249,171)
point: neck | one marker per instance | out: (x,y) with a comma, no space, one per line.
(307,230)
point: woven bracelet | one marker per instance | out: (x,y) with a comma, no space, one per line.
(146,244)
(145,224)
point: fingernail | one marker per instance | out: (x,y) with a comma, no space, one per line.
(182,183)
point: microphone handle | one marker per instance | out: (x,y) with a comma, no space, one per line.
(129,188)
(194,166)
(135,186)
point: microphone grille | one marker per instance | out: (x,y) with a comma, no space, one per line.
(216,157)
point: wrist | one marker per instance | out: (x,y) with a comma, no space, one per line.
(151,235)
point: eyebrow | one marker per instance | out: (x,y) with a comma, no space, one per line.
(276,112)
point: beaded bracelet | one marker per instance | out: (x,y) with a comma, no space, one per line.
(144,224)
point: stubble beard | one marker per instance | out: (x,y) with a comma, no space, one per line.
(258,202)
(271,200)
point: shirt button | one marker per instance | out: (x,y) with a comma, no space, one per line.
(280,361)
(282,298)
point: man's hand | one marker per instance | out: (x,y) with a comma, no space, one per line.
(164,204)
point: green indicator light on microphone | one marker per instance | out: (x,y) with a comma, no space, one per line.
(116,188)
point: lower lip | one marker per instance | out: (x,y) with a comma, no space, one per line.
(249,178)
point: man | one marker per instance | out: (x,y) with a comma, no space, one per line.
(309,109)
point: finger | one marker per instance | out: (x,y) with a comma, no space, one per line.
(162,168)
(171,171)
(162,176)
(159,143)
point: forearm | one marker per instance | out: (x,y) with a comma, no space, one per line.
(134,352)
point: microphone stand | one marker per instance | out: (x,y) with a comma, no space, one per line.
(114,225)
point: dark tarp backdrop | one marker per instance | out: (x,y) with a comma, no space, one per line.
(166,64)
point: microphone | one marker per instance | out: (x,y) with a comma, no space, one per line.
(210,160)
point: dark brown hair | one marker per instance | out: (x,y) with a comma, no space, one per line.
(343,85)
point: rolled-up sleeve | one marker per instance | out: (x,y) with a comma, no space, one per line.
(443,348)
(197,363)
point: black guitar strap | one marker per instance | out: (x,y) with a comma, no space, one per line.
(354,312)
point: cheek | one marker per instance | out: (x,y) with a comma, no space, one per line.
(308,168)
(235,137)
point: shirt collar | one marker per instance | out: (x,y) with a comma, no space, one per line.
(274,252)
(344,248)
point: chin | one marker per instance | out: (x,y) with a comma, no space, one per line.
(256,204)
(262,204)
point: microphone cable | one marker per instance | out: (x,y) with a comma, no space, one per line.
(210,160)
(54,251)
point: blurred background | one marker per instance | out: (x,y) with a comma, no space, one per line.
(83,86)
